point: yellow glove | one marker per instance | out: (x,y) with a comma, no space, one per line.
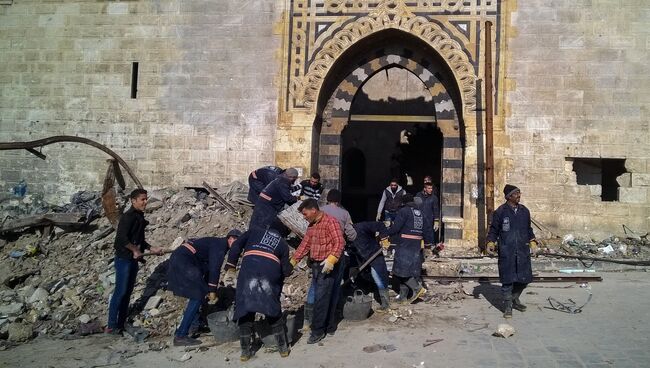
(293,262)
(491,248)
(533,246)
(436,225)
(385,243)
(422,244)
(328,264)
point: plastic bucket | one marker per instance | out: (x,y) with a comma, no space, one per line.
(358,306)
(223,328)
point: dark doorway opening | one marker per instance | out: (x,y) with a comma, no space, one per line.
(375,152)
(600,171)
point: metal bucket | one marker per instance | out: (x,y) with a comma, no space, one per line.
(358,306)
(223,328)
(265,333)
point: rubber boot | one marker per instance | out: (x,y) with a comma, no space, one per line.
(383,297)
(507,307)
(246,341)
(281,338)
(516,304)
(402,298)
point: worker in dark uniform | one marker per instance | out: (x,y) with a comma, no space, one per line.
(265,265)
(367,245)
(511,230)
(193,273)
(259,179)
(272,200)
(407,266)
(391,200)
(428,203)
(129,247)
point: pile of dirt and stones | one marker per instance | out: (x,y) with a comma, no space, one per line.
(59,282)
(629,246)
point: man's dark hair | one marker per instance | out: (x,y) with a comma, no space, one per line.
(315,175)
(334,196)
(394,180)
(428,184)
(137,192)
(310,204)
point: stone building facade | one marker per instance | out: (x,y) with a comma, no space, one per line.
(226,86)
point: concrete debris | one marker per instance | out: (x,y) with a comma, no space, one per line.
(19,332)
(66,291)
(632,246)
(378,347)
(504,330)
(184,358)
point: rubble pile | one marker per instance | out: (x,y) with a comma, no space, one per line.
(59,283)
(632,246)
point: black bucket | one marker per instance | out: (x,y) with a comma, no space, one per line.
(358,306)
(223,328)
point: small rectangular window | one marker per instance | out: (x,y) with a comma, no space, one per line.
(134,80)
(600,171)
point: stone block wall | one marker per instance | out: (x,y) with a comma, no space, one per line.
(207,93)
(578,86)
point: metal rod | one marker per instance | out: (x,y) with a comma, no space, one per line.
(535,278)
(489,142)
(69,138)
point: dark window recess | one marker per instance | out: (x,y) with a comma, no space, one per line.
(134,80)
(600,171)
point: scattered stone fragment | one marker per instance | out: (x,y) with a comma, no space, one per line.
(504,330)
(19,332)
(153,302)
(84,318)
(39,295)
(13,309)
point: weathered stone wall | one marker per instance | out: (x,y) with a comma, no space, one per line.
(578,81)
(207,97)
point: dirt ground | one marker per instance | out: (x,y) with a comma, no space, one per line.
(607,333)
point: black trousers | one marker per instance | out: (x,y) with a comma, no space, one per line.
(324,310)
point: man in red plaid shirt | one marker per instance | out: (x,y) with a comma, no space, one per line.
(324,243)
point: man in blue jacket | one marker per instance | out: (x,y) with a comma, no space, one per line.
(265,265)
(511,229)
(407,266)
(272,200)
(193,273)
(259,179)
(367,245)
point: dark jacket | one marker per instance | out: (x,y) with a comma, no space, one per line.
(390,201)
(259,179)
(366,245)
(130,229)
(264,266)
(409,224)
(271,201)
(194,267)
(430,206)
(512,231)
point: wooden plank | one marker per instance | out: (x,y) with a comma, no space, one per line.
(58,219)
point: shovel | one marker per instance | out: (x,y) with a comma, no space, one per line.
(355,272)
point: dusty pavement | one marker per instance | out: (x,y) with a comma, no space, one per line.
(612,331)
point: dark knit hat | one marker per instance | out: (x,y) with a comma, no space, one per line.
(407,198)
(234,233)
(509,190)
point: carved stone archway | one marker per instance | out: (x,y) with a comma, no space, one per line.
(448,120)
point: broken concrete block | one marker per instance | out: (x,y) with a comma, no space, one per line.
(179,218)
(504,330)
(624,180)
(635,165)
(12,309)
(20,332)
(632,195)
(153,302)
(84,318)
(39,295)
(153,206)
(595,190)
(640,180)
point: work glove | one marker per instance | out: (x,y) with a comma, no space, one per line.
(328,264)
(229,278)
(293,262)
(533,247)
(422,244)
(385,243)
(491,248)
(436,225)
(378,217)
(212,298)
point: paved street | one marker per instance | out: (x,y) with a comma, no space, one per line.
(612,331)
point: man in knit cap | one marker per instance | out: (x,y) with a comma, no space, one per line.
(511,229)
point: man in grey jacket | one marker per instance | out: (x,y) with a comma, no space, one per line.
(334,209)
